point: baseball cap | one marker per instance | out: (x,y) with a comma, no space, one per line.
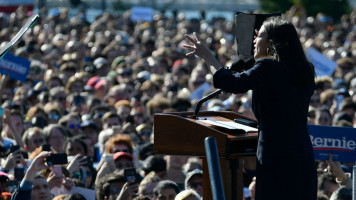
(92,82)
(88,123)
(100,83)
(118,155)
(99,62)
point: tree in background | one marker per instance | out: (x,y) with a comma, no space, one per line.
(333,8)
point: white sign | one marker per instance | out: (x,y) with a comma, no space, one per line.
(142,14)
(323,65)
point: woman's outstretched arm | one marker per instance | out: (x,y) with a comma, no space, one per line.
(200,49)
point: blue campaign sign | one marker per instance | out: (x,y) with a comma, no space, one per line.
(142,14)
(323,65)
(339,141)
(14,66)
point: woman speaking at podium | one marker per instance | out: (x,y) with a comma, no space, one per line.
(282,81)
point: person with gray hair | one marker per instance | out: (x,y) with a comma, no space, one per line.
(55,135)
(58,94)
(104,136)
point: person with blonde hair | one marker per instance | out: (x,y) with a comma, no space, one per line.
(187,195)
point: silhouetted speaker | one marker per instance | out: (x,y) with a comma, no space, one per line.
(245,30)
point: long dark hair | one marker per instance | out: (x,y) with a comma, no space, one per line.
(286,47)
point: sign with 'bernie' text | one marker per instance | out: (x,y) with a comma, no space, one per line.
(14,66)
(338,141)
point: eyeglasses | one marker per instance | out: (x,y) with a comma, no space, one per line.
(123,165)
(126,73)
(138,115)
(36,69)
(195,185)
(98,115)
(38,141)
(53,116)
(73,126)
(116,190)
(345,67)
(147,133)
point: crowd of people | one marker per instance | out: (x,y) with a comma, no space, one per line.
(93,88)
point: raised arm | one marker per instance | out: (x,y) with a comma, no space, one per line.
(16,134)
(342,178)
(3,81)
(199,48)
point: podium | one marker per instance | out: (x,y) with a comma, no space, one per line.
(180,134)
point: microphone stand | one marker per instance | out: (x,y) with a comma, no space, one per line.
(204,99)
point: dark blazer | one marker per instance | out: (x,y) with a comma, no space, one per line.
(285,160)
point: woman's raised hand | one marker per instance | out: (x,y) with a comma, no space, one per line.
(198,47)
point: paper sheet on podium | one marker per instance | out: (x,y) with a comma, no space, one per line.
(230,125)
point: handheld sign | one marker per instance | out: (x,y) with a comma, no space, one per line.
(323,65)
(29,23)
(338,141)
(14,66)
(142,14)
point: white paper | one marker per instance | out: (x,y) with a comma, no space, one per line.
(230,125)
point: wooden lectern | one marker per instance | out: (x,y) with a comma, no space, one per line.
(180,134)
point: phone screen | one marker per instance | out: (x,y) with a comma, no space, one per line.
(46,147)
(19,173)
(130,174)
(57,159)
(14,148)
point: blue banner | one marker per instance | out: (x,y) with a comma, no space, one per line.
(338,141)
(142,14)
(323,65)
(14,66)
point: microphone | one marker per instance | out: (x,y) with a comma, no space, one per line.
(204,99)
